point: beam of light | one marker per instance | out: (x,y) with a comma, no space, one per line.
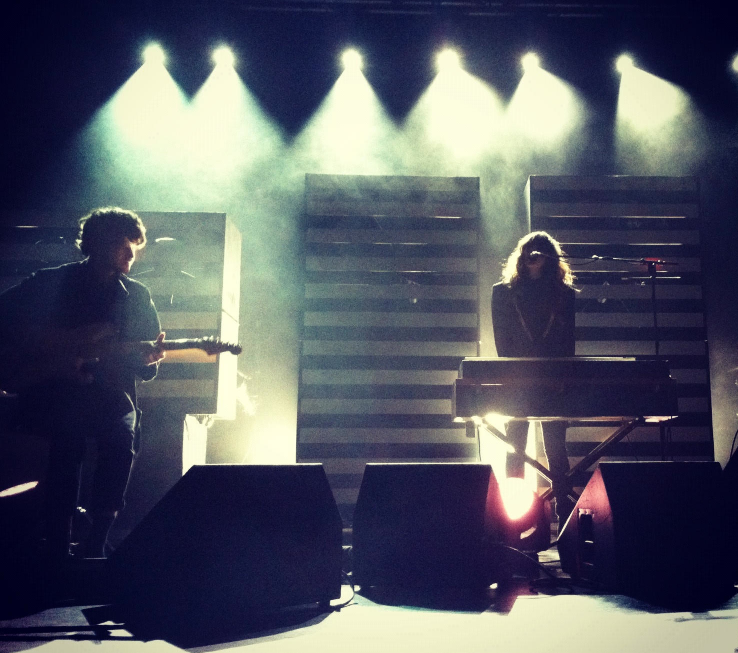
(223,56)
(654,119)
(352,60)
(734,64)
(624,63)
(456,120)
(349,133)
(530,61)
(228,138)
(18,489)
(448,60)
(544,108)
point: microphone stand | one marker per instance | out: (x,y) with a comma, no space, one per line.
(652,270)
(664,430)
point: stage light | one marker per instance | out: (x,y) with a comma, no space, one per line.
(448,60)
(351,60)
(624,62)
(530,61)
(517,497)
(154,54)
(734,65)
(18,489)
(223,56)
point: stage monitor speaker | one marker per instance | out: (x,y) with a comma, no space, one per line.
(426,525)
(652,530)
(228,541)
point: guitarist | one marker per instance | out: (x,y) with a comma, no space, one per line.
(63,328)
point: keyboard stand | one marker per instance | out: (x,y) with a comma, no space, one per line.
(627,424)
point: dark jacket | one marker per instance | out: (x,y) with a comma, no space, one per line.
(533,318)
(63,299)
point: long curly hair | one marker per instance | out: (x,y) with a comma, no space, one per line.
(555,266)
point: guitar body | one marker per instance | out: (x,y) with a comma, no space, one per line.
(81,354)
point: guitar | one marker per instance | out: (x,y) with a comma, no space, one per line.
(74,355)
(210,345)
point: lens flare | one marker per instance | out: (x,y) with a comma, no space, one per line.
(517,497)
(18,489)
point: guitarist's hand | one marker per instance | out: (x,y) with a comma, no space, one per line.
(153,352)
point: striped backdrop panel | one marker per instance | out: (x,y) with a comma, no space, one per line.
(635,218)
(191,265)
(390,309)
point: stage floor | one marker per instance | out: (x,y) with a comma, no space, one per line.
(536,614)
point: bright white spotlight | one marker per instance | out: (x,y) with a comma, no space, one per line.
(448,60)
(530,62)
(154,54)
(517,497)
(223,56)
(351,60)
(734,65)
(624,62)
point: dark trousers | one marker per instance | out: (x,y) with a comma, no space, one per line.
(554,444)
(68,416)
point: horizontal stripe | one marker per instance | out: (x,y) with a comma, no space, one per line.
(397,236)
(12,232)
(672,277)
(689,375)
(408,264)
(389,451)
(557,224)
(384,334)
(377,391)
(181,303)
(189,320)
(665,252)
(380,376)
(319,221)
(694,405)
(401,208)
(639,348)
(51,253)
(178,388)
(588,235)
(375,406)
(643,449)
(356,465)
(184,285)
(650,433)
(372,348)
(431,436)
(389,277)
(385,319)
(645,319)
(406,291)
(617,183)
(585,263)
(639,291)
(377,420)
(641,333)
(169,371)
(390,250)
(315,183)
(407,305)
(603,305)
(607,209)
